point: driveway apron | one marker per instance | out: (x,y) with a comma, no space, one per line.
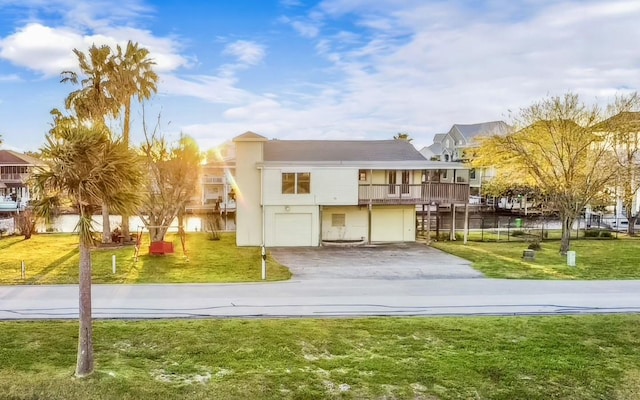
(387,261)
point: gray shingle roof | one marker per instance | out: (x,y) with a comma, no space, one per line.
(340,150)
(438,137)
(249,136)
(483,129)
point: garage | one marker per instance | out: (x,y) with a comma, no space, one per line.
(392,224)
(293,229)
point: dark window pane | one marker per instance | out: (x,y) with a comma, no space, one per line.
(304,183)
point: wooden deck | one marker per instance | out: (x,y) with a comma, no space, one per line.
(427,193)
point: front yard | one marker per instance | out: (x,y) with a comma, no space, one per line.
(595,259)
(572,358)
(53,259)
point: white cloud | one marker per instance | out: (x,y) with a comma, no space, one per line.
(306,29)
(246,52)
(10,78)
(48,50)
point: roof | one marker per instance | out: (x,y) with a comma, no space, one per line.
(471,131)
(249,136)
(626,120)
(340,150)
(9,157)
(438,137)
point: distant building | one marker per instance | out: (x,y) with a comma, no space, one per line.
(451,147)
(15,170)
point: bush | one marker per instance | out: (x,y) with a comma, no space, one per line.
(517,233)
(606,234)
(535,246)
(591,234)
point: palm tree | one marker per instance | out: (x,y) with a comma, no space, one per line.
(132,76)
(94,101)
(86,167)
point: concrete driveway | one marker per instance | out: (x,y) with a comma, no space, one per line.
(388,261)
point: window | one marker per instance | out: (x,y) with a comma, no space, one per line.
(362,175)
(338,220)
(391,177)
(444,174)
(296,183)
(472,173)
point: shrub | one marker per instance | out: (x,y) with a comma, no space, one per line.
(606,234)
(591,234)
(517,233)
(534,246)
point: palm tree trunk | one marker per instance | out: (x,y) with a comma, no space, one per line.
(125,136)
(84,365)
(106,225)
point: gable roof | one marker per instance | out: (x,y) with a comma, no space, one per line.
(470,131)
(625,120)
(439,137)
(249,136)
(340,150)
(9,157)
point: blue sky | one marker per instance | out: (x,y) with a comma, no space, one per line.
(338,69)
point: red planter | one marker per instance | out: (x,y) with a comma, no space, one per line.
(161,248)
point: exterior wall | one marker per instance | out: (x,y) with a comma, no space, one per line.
(292,226)
(393,224)
(356,223)
(329,186)
(249,215)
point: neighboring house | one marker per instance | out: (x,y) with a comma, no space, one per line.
(627,153)
(216,192)
(451,146)
(306,192)
(15,169)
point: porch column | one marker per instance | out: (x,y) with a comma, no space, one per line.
(452,234)
(429,225)
(369,208)
(466,222)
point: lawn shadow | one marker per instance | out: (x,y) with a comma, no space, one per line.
(53,265)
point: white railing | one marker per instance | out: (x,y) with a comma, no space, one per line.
(414,194)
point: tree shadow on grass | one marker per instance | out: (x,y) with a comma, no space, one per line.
(52,266)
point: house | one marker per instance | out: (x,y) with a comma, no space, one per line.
(15,169)
(310,192)
(451,146)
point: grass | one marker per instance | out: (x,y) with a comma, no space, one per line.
(580,357)
(595,259)
(53,259)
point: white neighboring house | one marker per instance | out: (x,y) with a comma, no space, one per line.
(451,146)
(306,192)
(15,169)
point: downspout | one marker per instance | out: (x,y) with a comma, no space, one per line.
(370,206)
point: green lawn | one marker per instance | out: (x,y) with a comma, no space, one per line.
(53,259)
(581,358)
(595,259)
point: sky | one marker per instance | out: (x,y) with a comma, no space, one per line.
(329,69)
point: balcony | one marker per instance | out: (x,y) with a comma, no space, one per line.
(209,180)
(13,177)
(442,193)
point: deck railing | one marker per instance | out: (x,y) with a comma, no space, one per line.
(443,193)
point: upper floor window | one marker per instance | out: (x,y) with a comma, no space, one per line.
(362,175)
(296,182)
(472,173)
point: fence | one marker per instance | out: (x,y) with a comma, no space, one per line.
(491,227)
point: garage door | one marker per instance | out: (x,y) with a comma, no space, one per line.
(387,225)
(293,229)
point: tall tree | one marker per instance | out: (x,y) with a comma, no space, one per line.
(94,101)
(557,151)
(173,174)
(403,136)
(132,76)
(85,166)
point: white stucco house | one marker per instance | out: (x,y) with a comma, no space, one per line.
(306,192)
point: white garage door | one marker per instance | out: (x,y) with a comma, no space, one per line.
(387,225)
(293,229)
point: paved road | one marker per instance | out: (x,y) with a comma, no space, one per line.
(327,298)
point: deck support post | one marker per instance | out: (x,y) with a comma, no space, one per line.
(466,222)
(452,233)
